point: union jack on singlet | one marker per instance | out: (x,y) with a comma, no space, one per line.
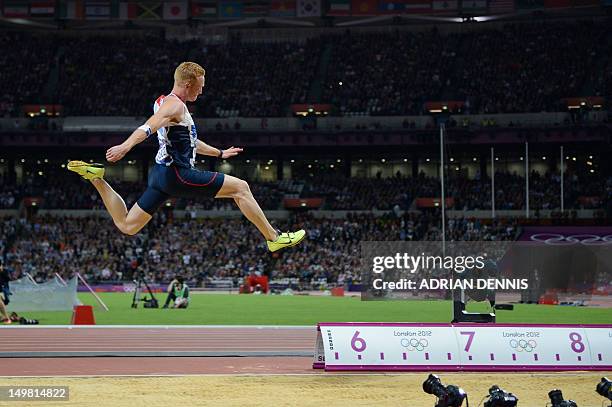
(177,141)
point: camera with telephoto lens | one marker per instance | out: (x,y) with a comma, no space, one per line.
(604,388)
(556,398)
(499,398)
(449,396)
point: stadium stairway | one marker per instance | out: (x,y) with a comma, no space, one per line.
(589,87)
(448,92)
(49,92)
(315,91)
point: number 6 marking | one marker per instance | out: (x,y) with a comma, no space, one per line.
(358,344)
(470,339)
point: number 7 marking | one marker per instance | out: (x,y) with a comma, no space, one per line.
(470,339)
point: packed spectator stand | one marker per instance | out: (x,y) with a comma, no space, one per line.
(510,68)
(209,249)
(58,191)
(517,67)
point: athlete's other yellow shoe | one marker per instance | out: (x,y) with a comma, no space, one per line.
(286,239)
(87,170)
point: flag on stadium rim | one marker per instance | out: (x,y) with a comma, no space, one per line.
(140,10)
(417,6)
(501,6)
(255,8)
(339,8)
(445,5)
(364,7)
(42,9)
(204,9)
(127,11)
(15,9)
(147,10)
(309,8)
(282,8)
(175,10)
(97,10)
(391,6)
(71,10)
(473,5)
(230,9)
(404,6)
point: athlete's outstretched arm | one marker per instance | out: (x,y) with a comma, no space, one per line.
(205,149)
(132,221)
(168,111)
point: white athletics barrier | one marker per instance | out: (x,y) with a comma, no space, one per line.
(462,347)
(52,295)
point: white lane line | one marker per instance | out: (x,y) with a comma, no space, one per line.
(314,373)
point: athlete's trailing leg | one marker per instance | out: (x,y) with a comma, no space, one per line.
(130,222)
(241,193)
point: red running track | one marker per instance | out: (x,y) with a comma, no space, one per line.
(156,341)
(83,351)
(156,366)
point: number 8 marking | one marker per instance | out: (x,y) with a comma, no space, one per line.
(577,345)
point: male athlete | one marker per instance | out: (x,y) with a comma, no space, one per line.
(174,173)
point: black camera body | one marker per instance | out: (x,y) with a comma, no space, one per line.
(556,399)
(499,398)
(150,303)
(449,396)
(604,388)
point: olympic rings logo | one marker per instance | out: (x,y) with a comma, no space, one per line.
(522,345)
(414,344)
(561,240)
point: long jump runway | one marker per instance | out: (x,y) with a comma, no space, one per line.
(227,365)
(155,350)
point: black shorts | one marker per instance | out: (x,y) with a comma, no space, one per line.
(178,182)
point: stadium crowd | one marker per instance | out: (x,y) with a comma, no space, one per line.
(26,64)
(544,191)
(340,193)
(528,68)
(122,76)
(388,74)
(256,80)
(115,76)
(518,68)
(209,249)
(503,69)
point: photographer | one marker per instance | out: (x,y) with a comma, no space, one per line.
(4,294)
(178,292)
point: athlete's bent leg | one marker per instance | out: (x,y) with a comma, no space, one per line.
(130,222)
(241,193)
